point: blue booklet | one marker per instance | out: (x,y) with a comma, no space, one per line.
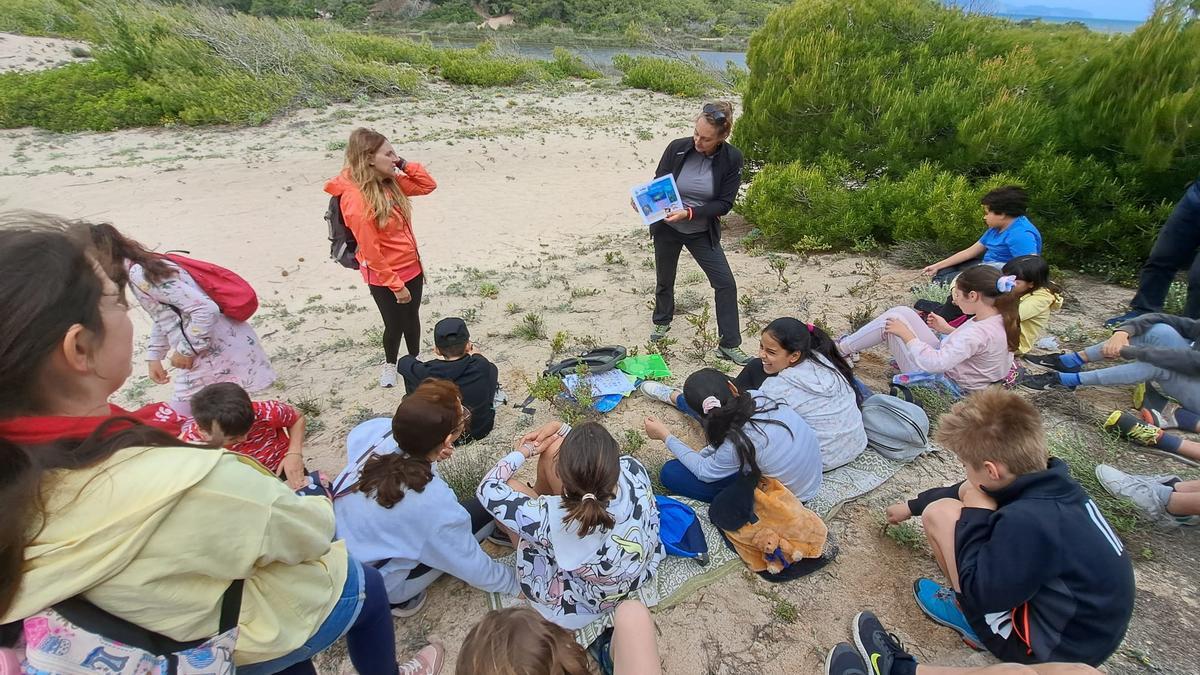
(655,198)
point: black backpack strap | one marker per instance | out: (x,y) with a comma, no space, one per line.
(231,606)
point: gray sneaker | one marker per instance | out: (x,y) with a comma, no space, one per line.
(1141,490)
(660,331)
(734,354)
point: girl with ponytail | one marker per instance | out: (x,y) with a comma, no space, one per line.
(397,514)
(587,531)
(747,433)
(798,365)
(976,354)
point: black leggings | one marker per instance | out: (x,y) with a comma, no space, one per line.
(400,320)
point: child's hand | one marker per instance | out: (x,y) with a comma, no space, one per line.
(157,373)
(655,429)
(938,323)
(293,471)
(540,434)
(182,362)
(898,513)
(1112,346)
(899,329)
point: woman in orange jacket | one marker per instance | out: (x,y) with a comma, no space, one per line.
(374,188)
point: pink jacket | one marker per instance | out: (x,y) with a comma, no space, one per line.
(974,355)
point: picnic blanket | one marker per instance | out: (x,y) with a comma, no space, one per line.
(677,578)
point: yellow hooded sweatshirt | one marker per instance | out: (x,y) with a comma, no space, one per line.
(155,535)
(1035,311)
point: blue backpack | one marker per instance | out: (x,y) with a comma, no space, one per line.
(680,531)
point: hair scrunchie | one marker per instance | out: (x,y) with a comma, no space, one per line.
(711,403)
(1006,283)
(811,328)
(586,496)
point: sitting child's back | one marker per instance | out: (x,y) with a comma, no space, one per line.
(476,377)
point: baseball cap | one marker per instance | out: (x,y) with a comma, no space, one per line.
(450,331)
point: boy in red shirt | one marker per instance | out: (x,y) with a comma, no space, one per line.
(271,432)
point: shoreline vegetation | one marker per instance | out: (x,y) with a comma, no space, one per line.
(864,124)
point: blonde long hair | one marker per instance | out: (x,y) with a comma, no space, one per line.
(381,194)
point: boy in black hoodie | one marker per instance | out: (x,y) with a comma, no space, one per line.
(1036,573)
(476,377)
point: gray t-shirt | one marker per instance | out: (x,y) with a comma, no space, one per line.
(695,183)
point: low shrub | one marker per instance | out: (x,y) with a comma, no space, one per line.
(669,76)
(566,64)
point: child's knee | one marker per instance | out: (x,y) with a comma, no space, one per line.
(1156,334)
(941,515)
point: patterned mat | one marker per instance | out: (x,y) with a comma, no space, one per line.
(677,578)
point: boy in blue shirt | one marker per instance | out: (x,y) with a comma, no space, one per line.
(1009,235)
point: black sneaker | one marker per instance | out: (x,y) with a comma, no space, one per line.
(878,647)
(1042,382)
(1052,362)
(843,660)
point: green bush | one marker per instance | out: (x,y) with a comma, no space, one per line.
(892,119)
(566,64)
(669,76)
(37,17)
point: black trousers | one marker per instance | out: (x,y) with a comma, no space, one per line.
(400,320)
(668,242)
(1175,249)
(752,375)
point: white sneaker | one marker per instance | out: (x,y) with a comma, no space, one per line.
(410,607)
(660,391)
(387,375)
(1141,490)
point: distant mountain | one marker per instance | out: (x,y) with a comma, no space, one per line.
(1044,10)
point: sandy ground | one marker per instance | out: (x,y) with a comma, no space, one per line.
(532,218)
(21,52)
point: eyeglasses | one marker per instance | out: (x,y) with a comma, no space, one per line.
(715,114)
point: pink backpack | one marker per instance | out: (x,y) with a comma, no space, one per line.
(234,296)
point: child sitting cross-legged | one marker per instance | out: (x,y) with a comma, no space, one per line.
(1035,572)
(476,377)
(586,533)
(271,432)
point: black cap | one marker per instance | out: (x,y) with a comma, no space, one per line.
(450,332)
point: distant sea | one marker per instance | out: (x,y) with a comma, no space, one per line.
(1099,25)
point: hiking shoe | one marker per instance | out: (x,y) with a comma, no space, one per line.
(1118,320)
(387,375)
(734,354)
(659,391)
(1133,429)
(1052,362)
(427,661)
(1042,382)
(660,331)
(939,604)
(410,607)
(877,646)
(844,660)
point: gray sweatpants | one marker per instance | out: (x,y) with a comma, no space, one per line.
(1182,388)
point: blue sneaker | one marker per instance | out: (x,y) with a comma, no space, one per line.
(939,604)
(1118,320)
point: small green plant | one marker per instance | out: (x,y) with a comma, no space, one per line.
(513,308)
(704,339)
(1176,298)
(931,291)
(455,288)
(779,265)
(614,258)
(632,441)
(577,293)
(689,301)
(464,471)
(861,316)
(906,534)
(1082,456)
(648,263)
(1076,336)
(935,401)
(489,290)
(308,406)
(662,346)
(531,327)
(558,343)
(692,278)
(669,76)
(750,304)
(361,414)
(469,314)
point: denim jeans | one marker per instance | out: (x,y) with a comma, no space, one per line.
(679,480)
(362,615)
(668,243)
(1182,388)
(1174,249)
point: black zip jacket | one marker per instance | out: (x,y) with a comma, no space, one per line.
(727,178)
(1046,565)
(1182,361)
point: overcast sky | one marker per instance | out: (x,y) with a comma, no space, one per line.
(1132,10)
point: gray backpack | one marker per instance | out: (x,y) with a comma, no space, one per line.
(895,428)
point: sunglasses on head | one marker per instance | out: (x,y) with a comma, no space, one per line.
(715,114)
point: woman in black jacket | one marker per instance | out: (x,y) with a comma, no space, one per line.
(708,171)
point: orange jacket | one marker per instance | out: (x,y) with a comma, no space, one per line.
(389,254)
